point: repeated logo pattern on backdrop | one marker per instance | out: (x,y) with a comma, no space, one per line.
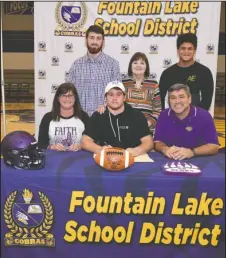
(149,27)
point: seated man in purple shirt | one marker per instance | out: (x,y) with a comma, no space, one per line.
(184,131)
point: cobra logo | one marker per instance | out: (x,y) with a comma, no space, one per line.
(42,73)
(125,47)
(68,46)
(54,87)
(167,61)
(42,100)
(153,75)
(210,47)
(153,48)
(123,75)
(55,60)
(29,224)
(42,44)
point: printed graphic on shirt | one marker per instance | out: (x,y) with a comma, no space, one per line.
(191,78)
(124,127)
(71,135)
(66,131)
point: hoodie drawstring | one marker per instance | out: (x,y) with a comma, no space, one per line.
(119,137)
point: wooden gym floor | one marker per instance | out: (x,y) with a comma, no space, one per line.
(20,116)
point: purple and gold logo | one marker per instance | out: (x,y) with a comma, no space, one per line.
(68,47)
(153,49)
(54,88)
(153,76)
(41,46)
(167,62)
(42,74)
(210,48)
(71,18)
(55,61)
(41,101)
(125,49)
(29,218)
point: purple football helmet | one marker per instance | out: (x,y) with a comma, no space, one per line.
(19,150)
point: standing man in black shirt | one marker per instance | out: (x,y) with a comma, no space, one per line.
(187,71)
(119,126)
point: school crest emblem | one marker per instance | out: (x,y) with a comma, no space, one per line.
(29,221)
(70,17)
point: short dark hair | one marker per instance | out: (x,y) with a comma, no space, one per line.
(179,86)
(135,57)
(95,28)
(187,37)
(63,89)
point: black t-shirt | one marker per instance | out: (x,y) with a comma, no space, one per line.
(123,130)
(197,77)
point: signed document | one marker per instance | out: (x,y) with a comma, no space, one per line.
(143,158)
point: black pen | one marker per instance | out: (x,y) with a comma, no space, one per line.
(108,145)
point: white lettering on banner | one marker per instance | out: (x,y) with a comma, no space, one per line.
(17,6)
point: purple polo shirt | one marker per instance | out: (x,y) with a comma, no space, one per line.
(193,131)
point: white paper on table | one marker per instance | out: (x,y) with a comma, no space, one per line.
(143,158)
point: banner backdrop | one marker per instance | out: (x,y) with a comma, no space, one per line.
(149,27)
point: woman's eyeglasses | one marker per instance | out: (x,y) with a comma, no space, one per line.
(69,96)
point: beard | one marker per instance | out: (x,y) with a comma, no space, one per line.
(94,50)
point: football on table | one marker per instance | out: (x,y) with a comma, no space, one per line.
(114,159)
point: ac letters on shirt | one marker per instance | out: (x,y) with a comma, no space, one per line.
(192,78)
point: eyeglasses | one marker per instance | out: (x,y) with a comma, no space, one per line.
(70,96)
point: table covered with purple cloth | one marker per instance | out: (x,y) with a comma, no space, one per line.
(72,208)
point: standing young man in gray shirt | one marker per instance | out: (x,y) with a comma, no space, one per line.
(92,72)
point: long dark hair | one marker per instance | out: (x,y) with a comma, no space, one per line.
(136,57)
(64,88)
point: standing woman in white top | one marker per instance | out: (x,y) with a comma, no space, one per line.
(62,128)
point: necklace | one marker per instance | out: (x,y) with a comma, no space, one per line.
(138,86)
